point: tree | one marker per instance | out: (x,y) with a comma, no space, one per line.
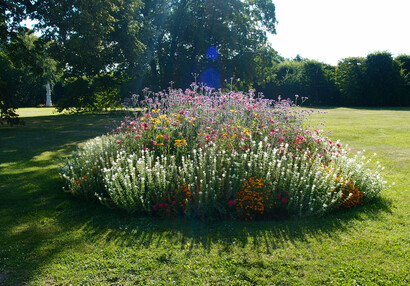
(91,37)
(12,12)
(350,73)
(319,85)
(233,29)
(383,80)
(305,78)
(34,67)
(404,63)
(8,86)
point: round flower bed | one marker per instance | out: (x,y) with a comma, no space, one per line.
(203,154)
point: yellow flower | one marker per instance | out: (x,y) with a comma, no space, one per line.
(180,143)
(160,136)
(156,110)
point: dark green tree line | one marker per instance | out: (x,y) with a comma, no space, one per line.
(377,80)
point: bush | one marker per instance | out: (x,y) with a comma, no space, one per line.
(206,154)
(88,93)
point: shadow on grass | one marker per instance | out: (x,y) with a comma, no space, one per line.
(38,221)
(30,188)
(127,230)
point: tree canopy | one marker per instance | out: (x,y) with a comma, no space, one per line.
(99,52)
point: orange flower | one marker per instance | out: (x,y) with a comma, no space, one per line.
(351,196)
(254,199)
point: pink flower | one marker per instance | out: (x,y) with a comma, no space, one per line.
(339,145)
(231,203)
(278,196)
(118,142)
(286,193)
(317,131)
(161,206)
(155,207)
(174,203)
(284,201)
(165,205)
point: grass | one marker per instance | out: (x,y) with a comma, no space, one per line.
(48,237)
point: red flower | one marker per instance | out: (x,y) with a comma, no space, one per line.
(284,201)
(161,206)
(231,203)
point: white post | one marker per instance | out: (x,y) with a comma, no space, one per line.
(48,94)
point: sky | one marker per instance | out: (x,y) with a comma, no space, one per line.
(330,30)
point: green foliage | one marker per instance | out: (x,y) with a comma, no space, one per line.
(78,94)
(376,80)
(12,12)
(32,68)
(91,37)
(8,87)
(383,81)
(404,64)
(350,80)
(237,29)
(150,43)
(305,78)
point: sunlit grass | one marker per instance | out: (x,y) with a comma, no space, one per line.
(36,111)
(48,237)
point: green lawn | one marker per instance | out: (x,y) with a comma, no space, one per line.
(48,237)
